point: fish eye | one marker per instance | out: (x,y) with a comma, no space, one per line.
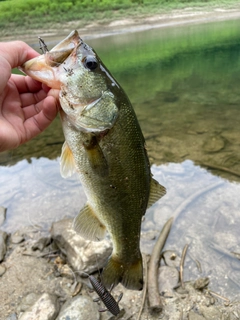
(90,62)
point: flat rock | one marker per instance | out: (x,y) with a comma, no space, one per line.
(28,301)
(83,255)
(3,212)
(3,244)
(214,144)
(45,308)
(194,316)
(79,308)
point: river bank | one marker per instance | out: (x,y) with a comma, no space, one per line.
(96,29)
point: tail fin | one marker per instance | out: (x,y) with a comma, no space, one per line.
(129,274)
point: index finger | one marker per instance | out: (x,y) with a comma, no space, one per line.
(16,52)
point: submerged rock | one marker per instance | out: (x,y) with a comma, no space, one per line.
(83,255)
(3,244)
(79,308)
(45,308)
(214,144)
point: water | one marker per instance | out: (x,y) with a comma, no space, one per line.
(184,85)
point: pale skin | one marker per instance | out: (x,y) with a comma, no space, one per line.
(26,106)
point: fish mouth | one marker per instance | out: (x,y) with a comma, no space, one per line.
(44,67)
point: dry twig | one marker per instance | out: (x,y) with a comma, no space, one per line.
(213,166)
(155,302)
(182,264)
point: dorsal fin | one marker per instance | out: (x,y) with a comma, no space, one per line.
(67,163)
(87,224)
(157,191)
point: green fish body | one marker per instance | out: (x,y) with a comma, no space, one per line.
(105,145)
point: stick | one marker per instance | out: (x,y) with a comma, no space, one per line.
(155,302)
(145,287)
(213,166)
(182,264)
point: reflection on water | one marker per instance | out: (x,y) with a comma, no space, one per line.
(184,84)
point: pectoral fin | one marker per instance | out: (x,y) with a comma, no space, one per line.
(96,157)
(67,163)
(157,191)
(88,225)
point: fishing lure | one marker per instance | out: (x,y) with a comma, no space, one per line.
(111,304)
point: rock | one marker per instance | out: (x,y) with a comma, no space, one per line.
(201,283)
(194,316)
(45,308)
(210,312)
(3,212)
(41,243)
(168,279)
(79,308)
(2,270)
(12,316)
(82,255)
(28,301)
(3,244)
(17,237)
(214,144)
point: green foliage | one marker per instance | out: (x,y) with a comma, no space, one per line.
(19,15)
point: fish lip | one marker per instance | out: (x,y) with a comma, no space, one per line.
(53,58)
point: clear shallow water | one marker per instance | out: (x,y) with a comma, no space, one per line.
(184,85)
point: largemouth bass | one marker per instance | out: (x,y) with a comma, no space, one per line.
(105,145)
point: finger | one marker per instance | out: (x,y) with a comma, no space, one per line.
(16,52)
(40,121)
(25,83)
(30,99)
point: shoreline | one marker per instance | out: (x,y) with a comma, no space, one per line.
(179,17)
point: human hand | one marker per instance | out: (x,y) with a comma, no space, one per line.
(26,106)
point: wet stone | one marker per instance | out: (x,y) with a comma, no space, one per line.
(83,255)
(41,243)
(16,237)
(3,212)
(79,308)
(2,270)
(201,283)
(45,308)
(3,244)
(214,144)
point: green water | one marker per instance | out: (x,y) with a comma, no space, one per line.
(184,85)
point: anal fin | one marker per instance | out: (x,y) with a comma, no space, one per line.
(88,225)
(157,191)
